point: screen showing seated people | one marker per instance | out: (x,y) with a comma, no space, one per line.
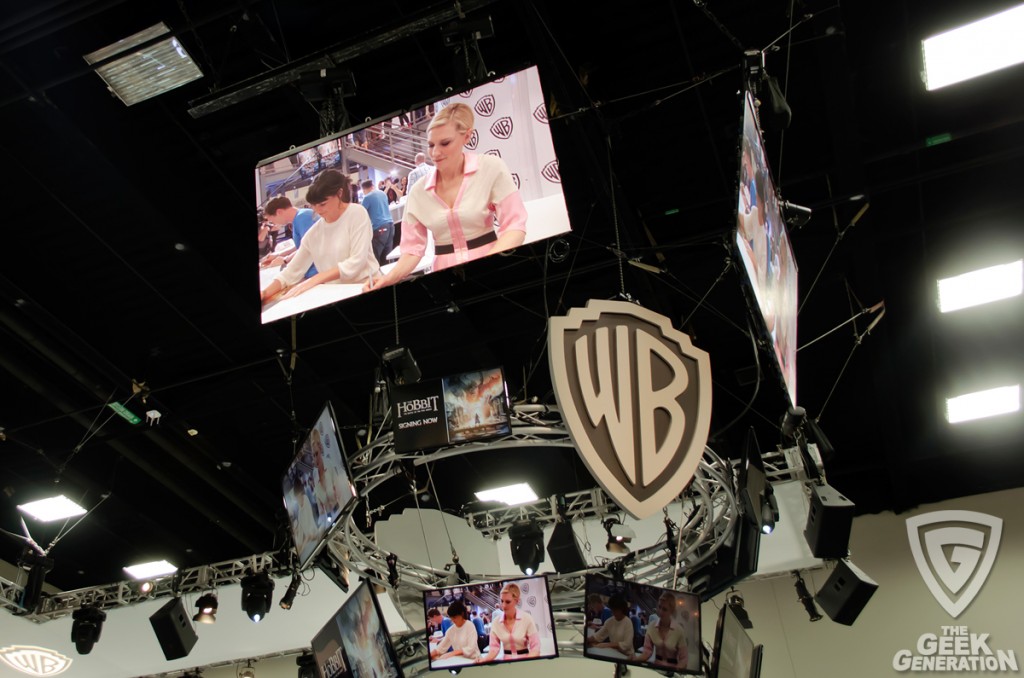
(365,641)
(455,409)
(643,625)
(489,623)
(317,487)
(454,180)
(764,248)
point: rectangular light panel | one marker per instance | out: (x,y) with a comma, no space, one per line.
(974,49)
(150,570)
(511,494)
(981,286)
(144,74)
(981,404)
(53,508)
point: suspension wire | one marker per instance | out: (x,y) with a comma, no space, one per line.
(444,523)
(728,265)
(64,530)
(858,339)
(90,433)
(757,386)
(785,80)
(864,311)
(840,233)
(615,221)
(423,529)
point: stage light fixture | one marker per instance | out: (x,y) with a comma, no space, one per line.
(207,606)
(735,601)
(257,592)
(401,365)
(86,627)
(806,598)
(526,540)
(793,420)
(769,510)
(307,665)
(289,596)
(248,671)
(146,587)
(393,578)
(796,216)
(37,565)
(619,536)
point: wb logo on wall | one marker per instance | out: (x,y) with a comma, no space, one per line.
(954,551)
(635,395)
(485,106)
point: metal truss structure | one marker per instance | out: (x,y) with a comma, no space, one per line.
(709,507)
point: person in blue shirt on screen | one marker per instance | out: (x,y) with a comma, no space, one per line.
(280,212)
(376,204)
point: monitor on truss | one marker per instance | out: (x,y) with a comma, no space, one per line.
(734,655)
(762,244)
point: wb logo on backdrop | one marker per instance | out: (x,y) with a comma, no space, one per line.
(635,395)
(955,551)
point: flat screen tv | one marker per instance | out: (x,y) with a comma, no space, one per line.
(317,487)
(328,653)
(468,625)
(763,246)
(365,642)
(642,625)
(458,408)
(511,175)
(734,655)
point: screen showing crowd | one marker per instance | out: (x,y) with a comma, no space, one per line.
(454,180)
(317,487)
(632,623)
(764,248)
(492,622)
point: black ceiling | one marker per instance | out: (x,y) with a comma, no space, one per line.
(127,250)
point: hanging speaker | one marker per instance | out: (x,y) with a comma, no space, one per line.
(174,629)
(829,521)
(564,550)
(846,593)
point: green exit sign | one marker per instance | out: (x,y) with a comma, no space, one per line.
(127,414)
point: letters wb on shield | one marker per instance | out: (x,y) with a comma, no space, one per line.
(635,395)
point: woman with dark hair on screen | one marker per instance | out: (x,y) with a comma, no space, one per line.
(460,638)
(514,631)
(458,202)
(617,631)
(340,243)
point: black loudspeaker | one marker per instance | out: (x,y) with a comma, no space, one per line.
(564,550)
(845,593)
(174,630)
(829,520)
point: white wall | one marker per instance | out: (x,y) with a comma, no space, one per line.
(901,610)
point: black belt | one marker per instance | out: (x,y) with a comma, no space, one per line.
(523,651)
(470,244)
(670,660)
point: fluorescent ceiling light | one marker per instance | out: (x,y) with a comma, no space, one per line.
(990,403)
(974,49)
(511,495)
(150,570)
(981,286)
(54,508)
(146,73)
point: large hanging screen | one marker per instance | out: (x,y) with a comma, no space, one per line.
(763,247)
(483,179)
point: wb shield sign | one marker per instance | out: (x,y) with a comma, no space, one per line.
(635,395)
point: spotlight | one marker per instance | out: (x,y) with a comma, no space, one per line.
(619,536)
(207,606)
(37,565)
(735,601)
(806,598)
(257,591)
(670,540)
(393,578)
(401,365)
(793,420)
(527,543)
(86,627)
(248,671)
(769,510)
(460,576)
(307,665)
(146,587)
(289,595)
(795,215)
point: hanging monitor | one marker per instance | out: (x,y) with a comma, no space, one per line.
(317,487)
(762,244)
(734,655)
(312,255)
(642,625)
